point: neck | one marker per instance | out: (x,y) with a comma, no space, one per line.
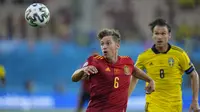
(162,48)
(113,59)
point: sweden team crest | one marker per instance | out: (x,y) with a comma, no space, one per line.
(171,62)
(126,70)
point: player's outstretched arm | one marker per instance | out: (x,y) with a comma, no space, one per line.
(77,75)
(83,73)
(143,76)
(133,83)
(195,90)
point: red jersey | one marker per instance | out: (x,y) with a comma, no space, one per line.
(85,86)
(109,87)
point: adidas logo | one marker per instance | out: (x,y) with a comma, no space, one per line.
(150,64)
(107,69)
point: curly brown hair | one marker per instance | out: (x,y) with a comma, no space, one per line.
(110,32)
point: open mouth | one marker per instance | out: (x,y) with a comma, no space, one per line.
(105,52)
(159,41)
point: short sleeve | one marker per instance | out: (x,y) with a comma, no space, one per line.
(2,72)
(131,63)
(139,63)
(186,64)
(85,64)
(89,61)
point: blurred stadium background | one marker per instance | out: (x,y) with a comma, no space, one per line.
(39,61)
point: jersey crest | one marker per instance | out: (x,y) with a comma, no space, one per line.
(126,70)
(171,62)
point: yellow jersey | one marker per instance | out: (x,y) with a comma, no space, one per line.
(2,72)
(166,69)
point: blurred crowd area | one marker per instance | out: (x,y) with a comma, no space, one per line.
(78,22)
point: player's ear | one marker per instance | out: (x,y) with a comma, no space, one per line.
(170,36)
(118,45)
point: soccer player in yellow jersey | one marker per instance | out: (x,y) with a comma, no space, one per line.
(2,74)
(165,64)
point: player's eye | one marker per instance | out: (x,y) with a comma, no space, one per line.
(108,43)
(156,33)
(102,44)
(163,33)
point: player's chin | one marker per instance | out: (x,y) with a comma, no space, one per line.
(159,44)
(105,54)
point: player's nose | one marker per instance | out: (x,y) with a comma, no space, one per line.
(104,47)
(159,37)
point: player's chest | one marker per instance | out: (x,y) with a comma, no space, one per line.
(162,60)
(108,70)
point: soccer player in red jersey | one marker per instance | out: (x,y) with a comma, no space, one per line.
(109,75)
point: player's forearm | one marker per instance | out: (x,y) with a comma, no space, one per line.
(77,75)
(141,75)
(195,85)
(133,83)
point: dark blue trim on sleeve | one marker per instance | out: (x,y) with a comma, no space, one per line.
(189,70)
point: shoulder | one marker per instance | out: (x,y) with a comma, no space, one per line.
(95,57)
(178,49)
(98,57)
(126,59)
(145,53)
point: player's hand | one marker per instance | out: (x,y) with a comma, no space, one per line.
(150,87)
(90,70)
(194,107)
